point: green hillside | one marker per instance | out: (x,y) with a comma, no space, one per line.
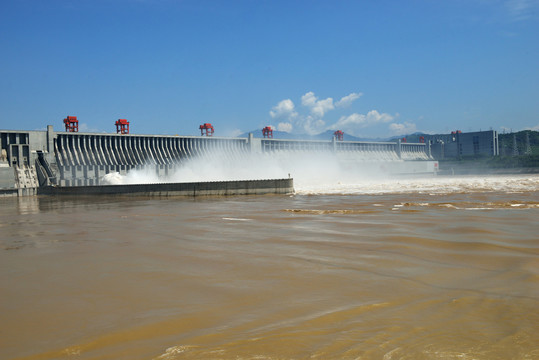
(506,142)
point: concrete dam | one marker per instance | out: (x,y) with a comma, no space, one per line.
(33,159)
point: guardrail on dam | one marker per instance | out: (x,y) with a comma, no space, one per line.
(30,159)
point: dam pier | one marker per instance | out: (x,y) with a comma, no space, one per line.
(34,160)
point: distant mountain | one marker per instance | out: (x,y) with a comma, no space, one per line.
(415,135)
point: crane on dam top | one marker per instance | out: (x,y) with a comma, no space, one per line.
(267,132)
(72,124)
(339,135)
(206,129)
(122,126)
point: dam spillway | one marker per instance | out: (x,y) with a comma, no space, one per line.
(30,159)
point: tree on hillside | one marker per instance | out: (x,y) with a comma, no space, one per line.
(525,140)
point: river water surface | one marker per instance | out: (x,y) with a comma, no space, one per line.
(439,268)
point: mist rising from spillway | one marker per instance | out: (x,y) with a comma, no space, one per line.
(325,173)
(310,169)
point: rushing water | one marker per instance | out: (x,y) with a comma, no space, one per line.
(443,268)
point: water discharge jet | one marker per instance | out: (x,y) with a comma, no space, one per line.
(310,170)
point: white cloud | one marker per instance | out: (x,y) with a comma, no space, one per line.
(351,124)
(351,120)
(318,107)
(533,128)
(402,129)
(374,116)
(311,125)
(308,99)
(286,127)
(284,109)
(313,122)
(362,120)
(348,99)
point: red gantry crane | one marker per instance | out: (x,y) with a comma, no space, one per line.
(122,126)
(72,124)
(267,132)
(339,135)
(206,129)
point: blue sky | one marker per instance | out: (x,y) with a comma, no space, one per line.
(369,68)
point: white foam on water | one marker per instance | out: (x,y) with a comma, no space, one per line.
(431,185)
(113,178)
(173,352)
(143,176)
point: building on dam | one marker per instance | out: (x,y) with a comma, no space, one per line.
(33,159)
(457,144)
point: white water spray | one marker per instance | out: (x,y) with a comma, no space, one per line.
(306,167)
(325,173)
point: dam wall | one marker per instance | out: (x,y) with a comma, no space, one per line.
(44,158)
(360,150)
(82,159)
